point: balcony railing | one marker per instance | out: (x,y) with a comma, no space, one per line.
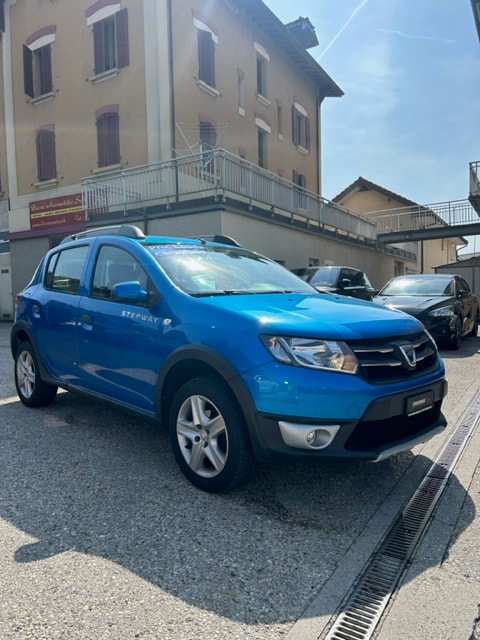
(417,217)
(219,175)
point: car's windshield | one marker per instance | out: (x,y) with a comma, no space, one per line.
(419,286)
(207,270)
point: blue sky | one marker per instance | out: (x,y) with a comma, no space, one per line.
(410,71)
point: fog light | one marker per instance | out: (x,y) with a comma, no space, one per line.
(302,436)
(319,439)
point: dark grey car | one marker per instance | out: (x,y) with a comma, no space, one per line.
(444,303)
(346,281)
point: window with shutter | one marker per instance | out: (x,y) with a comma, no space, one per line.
(261,76)
(37,71)
(261,147)
(300,198)
(208,135)
(301,128)
(206,57)
(208,141)
(110,42)
(46,157)
(108,139)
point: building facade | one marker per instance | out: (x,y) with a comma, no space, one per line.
(100,92)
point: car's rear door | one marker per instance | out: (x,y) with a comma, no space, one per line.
(54,312)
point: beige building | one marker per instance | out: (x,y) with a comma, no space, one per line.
(182,116)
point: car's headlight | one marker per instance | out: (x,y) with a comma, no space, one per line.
(442,311)
(312,353)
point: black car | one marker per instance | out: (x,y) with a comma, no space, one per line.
(444,303)
(346,281)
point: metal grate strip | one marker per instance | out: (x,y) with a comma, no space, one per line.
(362,611)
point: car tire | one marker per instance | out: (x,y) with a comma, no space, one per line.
(31,389)
(208,436)
(456,337)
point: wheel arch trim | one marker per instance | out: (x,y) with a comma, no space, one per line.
(223,368)
(22,327)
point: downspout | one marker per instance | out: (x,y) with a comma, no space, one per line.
(171,80)
(319,147)
(9,110)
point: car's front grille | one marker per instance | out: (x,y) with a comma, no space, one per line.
(384,361)
(377,434)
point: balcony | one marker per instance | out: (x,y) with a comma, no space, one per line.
(194,182)
(474,196)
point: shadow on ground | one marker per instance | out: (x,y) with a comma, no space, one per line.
(80,476)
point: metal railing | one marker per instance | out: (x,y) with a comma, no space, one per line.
(219,175)
(442,214)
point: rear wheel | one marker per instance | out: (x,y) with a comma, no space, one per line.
(31,389)
(209,437)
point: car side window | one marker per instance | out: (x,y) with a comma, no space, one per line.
(115,265)
(65,268)
(463,285)
(354,277)
(357,279)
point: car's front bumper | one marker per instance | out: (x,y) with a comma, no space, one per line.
(390,424)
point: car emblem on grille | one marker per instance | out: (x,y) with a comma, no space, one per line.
(407,356)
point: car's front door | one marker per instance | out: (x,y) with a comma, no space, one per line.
(118,339)
(466,300)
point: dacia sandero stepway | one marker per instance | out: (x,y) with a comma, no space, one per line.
(237,357)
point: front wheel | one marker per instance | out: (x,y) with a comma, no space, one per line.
(455,339)
(208,436)
(31,389)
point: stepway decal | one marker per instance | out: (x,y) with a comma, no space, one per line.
(137,315)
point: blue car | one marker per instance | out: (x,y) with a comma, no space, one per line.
(237,357)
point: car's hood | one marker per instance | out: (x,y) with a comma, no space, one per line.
(322,315)
(412,304)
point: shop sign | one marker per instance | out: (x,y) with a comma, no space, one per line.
(57,212)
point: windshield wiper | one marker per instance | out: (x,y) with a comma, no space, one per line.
(238,292)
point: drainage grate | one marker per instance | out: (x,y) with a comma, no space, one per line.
(363,610)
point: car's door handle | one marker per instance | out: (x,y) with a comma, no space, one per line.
(86,321)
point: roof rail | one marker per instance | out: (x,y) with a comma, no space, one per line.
(128,230)
(220,238)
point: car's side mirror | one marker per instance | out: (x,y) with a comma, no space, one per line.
(344,283)
(131,292)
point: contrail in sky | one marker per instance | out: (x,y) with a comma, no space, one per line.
(401,34)
(342,29)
